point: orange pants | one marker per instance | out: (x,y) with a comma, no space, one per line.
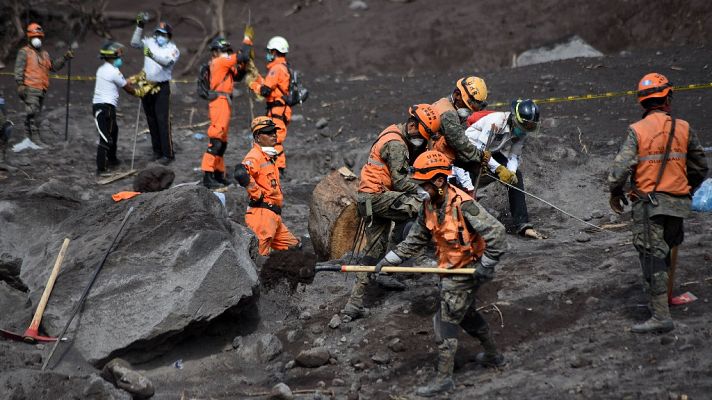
(270,230)
(219,112)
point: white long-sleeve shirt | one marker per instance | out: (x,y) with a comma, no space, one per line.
(159,67)
(503,142)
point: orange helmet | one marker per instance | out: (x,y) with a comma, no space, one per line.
(429,164)
(34,30)
(428,120)
(473,91)
(263,124)
(653,85)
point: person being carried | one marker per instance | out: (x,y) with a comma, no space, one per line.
(161,55)
(32,68)
(666,163)
(226,67)
(258,174)
(387,195)
(506,134)
(106,98)
(465,236)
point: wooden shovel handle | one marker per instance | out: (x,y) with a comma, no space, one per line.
(409,270)
(50,284)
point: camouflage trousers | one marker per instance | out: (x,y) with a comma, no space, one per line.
(34,100)
(384,209)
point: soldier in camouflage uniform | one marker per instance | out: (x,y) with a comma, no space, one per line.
(387,195)
(465,236)
(32,68)
(666,167)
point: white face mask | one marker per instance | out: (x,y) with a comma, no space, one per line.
(270,151)
(36,43)
(417,142)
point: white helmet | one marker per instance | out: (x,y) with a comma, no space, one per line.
(278,43)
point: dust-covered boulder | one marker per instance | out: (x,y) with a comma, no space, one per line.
(154,179)
(312,358)
(177,264)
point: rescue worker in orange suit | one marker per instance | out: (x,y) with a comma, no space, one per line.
(668,164)
(469,96)
(32,67)
(258,173)
(386,194)
(273,88)
(226,67)
(465,236)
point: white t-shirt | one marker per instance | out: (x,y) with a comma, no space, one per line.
(108,82)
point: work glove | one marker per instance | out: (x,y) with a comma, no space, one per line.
(506,175)
(69,55)
(484,272)
(242,177)
(423,195)
(147,52)
(486,156)
(391,258)
(618,201)
(141,19)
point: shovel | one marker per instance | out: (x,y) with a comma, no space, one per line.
(32,335)
(323,267)
(684,298)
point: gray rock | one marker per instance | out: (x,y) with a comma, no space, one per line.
(167,236)
(381,358)
(259,348)
(292,336)
(305,315)
(578,361)
(297,118)
(321,123)
(597,214)
(281,391)
(574,47)
(120,374)
(583,237)
(312,358)
(396,345)
(335,321)
(290,364)
(358,5)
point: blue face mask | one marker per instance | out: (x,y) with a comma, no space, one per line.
(269,57)
(161,40)
(518,132)
(118,62)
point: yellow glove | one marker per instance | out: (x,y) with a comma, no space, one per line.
(506,175)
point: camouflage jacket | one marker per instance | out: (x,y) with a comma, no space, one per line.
(482,222)
(454,132)
(397,157)
(627,158)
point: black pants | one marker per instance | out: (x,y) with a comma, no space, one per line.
(105,119)
(517,199)
(158,116)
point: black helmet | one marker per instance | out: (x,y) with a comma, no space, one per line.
(525,114)
(111,50)
(220,44)
(165,28)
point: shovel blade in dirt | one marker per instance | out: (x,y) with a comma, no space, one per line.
(685,298)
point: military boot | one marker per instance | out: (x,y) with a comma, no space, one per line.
(220,177)
(661,321)
(210,182)
(490,357)
(352,312)
(446,363)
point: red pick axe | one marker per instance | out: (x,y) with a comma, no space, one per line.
(684,298)
(32,335)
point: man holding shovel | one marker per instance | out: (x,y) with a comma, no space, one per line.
(667,164)
(465,236)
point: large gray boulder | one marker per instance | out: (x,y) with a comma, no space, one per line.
(179,263)
(573,47)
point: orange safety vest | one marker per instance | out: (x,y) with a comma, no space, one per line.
(266,178)
(653,133)
(37,68)
(455,245)
(375,175)
(439,143)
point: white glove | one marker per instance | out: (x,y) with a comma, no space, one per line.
(485,271)
(423,195)
(391,258)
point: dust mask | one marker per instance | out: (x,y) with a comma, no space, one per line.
(161,40)
(118,63)
(417,142)
(269,57)
(36,43)
(269,150)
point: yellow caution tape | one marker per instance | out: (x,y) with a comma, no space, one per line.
(607,95)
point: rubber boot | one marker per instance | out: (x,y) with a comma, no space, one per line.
(478,328)
(220,177)
(351,312)
(446,363)
(210,182)
(661,321)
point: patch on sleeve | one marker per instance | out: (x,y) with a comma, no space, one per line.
(470,207)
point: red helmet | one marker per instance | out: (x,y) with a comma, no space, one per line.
(34,30)
(429,164)
(428,120)
(653,85)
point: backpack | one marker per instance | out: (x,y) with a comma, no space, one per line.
(204,89)
(298,94)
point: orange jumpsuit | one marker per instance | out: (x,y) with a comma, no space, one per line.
(223,69)
(264,212)
(273,87)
